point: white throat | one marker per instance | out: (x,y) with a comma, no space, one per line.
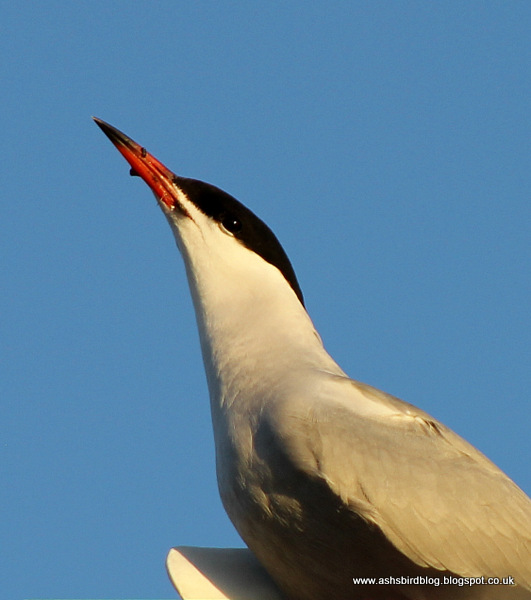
(254,331)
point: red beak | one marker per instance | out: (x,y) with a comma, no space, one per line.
(153,172)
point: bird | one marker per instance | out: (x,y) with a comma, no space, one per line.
(340,490)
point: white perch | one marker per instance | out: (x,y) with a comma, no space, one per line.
(219,574)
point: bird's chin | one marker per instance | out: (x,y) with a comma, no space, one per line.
(171,207)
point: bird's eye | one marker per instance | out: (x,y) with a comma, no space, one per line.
(230,223)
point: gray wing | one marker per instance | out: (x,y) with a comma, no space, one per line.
(438,499)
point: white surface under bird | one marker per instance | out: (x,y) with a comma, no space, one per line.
(326,479)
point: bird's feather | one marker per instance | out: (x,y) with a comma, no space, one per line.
(439,500)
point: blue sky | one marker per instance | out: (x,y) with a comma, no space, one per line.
(388,146)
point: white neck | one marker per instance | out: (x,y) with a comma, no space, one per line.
(254,331)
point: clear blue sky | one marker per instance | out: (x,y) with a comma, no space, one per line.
(388,146)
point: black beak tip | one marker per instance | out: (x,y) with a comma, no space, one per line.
(101,124)
(115,135)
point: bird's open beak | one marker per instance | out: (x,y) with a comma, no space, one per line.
(153,172)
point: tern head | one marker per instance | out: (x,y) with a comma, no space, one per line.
(220,239)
